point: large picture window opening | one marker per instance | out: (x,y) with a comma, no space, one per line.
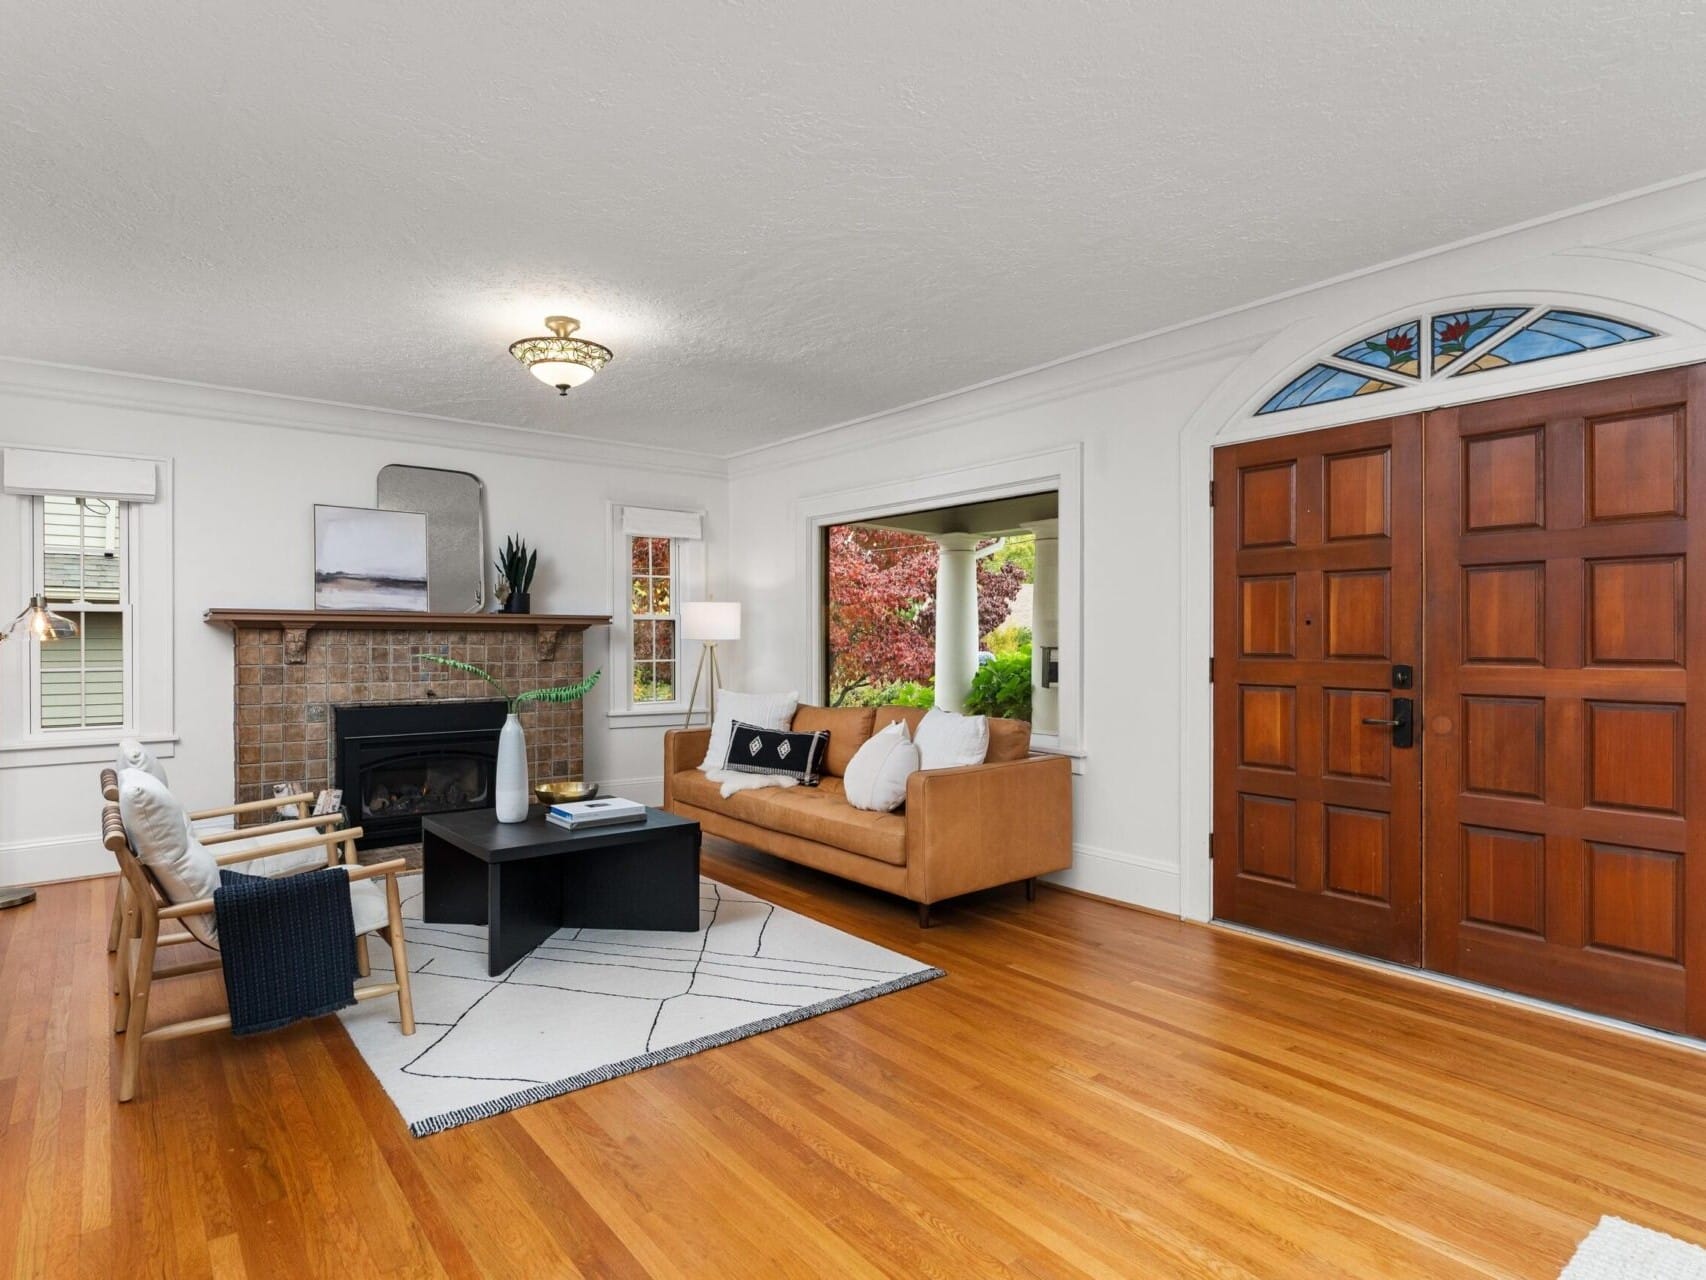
(954,607)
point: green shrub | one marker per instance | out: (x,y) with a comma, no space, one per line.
(1003,687)
(907,693)
(1008,639)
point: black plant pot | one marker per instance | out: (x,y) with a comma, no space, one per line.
(519,602)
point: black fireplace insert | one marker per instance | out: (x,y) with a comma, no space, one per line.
(399,762)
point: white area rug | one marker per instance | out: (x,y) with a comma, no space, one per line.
(1619,1250)
(589,1005)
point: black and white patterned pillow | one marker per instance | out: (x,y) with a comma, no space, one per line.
(777,751)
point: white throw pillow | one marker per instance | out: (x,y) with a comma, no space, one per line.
(947,740)
(133,755)
(766,710)
(876,775)
(159,831)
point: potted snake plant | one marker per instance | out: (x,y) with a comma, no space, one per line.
(515,564)
(510,787)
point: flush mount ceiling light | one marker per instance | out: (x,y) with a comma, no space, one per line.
(561,361)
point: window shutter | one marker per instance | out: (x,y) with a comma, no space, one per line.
(650,522)
(36,472)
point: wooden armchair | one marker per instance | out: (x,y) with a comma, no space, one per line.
(147,906)
(324,822)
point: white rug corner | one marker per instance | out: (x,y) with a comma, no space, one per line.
(1619,1250)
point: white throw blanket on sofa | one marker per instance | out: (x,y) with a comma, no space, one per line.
(733,782)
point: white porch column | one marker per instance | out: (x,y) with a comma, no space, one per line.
(956,617)
(1045,624)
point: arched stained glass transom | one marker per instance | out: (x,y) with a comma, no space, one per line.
(1456,343)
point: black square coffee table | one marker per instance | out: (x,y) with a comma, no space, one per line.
(526,880)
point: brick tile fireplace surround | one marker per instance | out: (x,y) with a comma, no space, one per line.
(291,679)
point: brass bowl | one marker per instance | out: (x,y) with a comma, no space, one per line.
(564,791)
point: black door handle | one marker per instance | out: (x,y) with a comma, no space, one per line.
(1402,723)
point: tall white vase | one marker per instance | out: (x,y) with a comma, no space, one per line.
(511,784)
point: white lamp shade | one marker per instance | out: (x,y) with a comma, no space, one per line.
(710,620)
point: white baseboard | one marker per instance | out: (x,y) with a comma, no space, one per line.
(1125,877)
(645,790)
(44,861)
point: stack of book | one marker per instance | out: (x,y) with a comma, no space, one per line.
(580,814)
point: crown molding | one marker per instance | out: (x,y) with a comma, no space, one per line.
(79,385)
(1073,376)
(814,444)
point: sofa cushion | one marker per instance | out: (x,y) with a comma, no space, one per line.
(948,740)
(766,710)
(911,717)
(876,776)
(1008,740)
(783,753)
(848,729)
(819,813)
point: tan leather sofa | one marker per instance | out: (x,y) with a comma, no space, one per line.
(1008,819)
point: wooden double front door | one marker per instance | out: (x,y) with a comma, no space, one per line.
(1456,657)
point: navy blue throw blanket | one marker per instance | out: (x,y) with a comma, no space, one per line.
(287,946)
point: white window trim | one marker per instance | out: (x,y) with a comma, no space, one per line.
(687,564)
(150,703)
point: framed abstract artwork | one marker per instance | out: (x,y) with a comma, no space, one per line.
(368,560)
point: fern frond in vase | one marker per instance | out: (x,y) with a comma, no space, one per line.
(514,701)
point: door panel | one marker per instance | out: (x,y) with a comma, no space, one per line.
(1565,628)
(1317,595)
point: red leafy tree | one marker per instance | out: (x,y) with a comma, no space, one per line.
(882,607)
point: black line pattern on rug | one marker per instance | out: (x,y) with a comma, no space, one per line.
(844,984)
(694,976)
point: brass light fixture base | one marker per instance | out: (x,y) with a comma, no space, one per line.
(562,326)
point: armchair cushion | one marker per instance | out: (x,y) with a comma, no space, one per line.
(159,831)
(133,755)
(367,906)
(273,864)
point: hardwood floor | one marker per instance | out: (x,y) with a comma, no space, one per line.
(1091,1091)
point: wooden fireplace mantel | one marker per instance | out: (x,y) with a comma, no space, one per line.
(297,623)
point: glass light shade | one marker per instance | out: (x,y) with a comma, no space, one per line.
(562,361)
(710,620)
(562,373)
(42,623)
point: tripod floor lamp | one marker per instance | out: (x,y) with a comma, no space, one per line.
(46,626)
(711,622)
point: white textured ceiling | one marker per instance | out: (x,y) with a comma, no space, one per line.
(780,216)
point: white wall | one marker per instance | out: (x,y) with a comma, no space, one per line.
(247,471)
(1146,416)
